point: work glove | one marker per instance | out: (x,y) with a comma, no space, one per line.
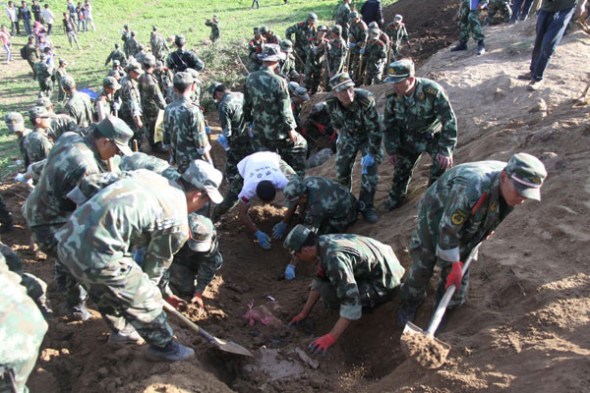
(362,51)
(198,299)
(278,231)
(222,140)
(21,178)
(351,45)
(175,301)
(366,162)
(455,276)
(290,272)
(263,239)
(321,345)
(298,318)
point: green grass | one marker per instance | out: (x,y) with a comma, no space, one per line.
(18,91)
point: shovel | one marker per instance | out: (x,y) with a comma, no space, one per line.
(430,351)
(227,346)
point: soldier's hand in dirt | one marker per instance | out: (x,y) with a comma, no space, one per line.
(322,344)
(278,231)
(444,161)
(298,318)
(455,276)
(176,302)
(198,300)
(263,239)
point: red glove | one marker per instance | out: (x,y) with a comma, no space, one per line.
(322,344)
(298,318)
(175,301)
(198,299)
(455,276)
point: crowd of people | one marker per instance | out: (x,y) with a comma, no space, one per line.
(112,217)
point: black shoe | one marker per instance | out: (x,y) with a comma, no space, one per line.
(370,215)
(458,47)
(407,313)
(481,48)
(390,205)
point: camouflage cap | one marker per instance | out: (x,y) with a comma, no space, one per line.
(372,25)
(400,70)
(312,17)
(337,29)
(116,63)
(398,18)
(179,40)
(183,79)
(322,28)
(149,60)
(294,189)
(117,131)
(340,82)
(527,174)
(286,45)
(44,102)
(111,83)
(205,177)
(134,67)
(301,92)
(38,112)
(374,33)
(194,73)
(201,233)
(14,121)
(68,82)
(296,238)
(353,15)
(271,52)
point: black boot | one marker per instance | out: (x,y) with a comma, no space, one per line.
(481,48)
(459,46)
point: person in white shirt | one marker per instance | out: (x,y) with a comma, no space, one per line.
(12,13)
(48,17)
(88,15)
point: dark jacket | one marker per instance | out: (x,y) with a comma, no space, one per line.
(372,11)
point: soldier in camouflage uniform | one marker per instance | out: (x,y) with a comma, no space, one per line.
(461,209)
(108,102)
(60,123)
(299,97)
(336,53)
(131,101)
(132,45)
(59,74)
(343,17)
(269,36)
(165,76)
(315,60)
(79,105)
(116,54)
(181,59)
(43,73)
(141,210)
(31,54)
(184,126)
(502,6)
(355,119)
(214,25)
(152,99)
(23,330)
(353,273)
(357,40)
(398,34)
(36,143)
(470,25)
(254,49)
(287,66)
(304,32)
(125,36)
(141,54)
(418,118)
(324,204)
(139,160)
(158,44)
(267,106)
(117,71)
(16,123)
(374,57)
(318,129)
(48,208)
(234,138)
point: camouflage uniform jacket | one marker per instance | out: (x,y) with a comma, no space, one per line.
(397,35)
(104,106)
(80,108)
(231,116)
(116,55)
(131,105)
(375,52)
(152,99)
(254,48)
(37,145)
(267,104)
(337,51)
(326,199)
(461,209)
(60,124)
(360,121)
(151,163)
(43,72)
(315,51)
(343,14)
(180,60)
(125,36)
(132,46)
(344,260)
(184,131)
(215,33)
(60,73)
(21,146)
(31,53)
(418,119)
(358,35)
(304,33)
(287,68)
(72,158)
(159,46)
(143,210)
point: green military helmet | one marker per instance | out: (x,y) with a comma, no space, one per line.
(400,70)
(296,238)
(527,174)
(201,234)
(134,67)
(14,121)
(341,82)
(204,177)
(294,189)
(312,17)
(353,15)
(287,45)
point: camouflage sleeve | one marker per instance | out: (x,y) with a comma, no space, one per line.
(339,272)
(446,115)
(210,264)
(199,64)
(391,130)
(198,130)
(159,97)
(335,118)
(225,119)
(92,184)
(166,130)
(109,58)
(372,127)
(313,218)
(289,32)
(288,122)
(160,251)
(134,104)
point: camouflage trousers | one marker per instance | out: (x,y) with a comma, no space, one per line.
(45,87)
(374,73)
(424,259)
(336,224)
(356,67)
(44,237)
(149,125)
(313,77)
(294,153)
(230,199)
(137,131)
(124,294)
(300,59)
(502,6)
(33,69)
(239,149)
(26,327)
(469,24)
(404,167)
(347,149)
(371,294)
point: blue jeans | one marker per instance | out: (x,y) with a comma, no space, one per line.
(27,23)
(516,7)
(550,29)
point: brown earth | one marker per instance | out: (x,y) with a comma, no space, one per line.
(523,329)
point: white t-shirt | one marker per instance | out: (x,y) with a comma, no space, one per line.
(47,16)
(258,167)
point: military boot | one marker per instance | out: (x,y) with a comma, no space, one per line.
(459,46)
(481,48)
(173,352)
(370,215)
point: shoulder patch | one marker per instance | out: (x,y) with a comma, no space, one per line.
(365,97)
(458,217)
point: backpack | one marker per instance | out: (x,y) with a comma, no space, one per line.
(23,52)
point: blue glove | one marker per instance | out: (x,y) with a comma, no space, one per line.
(366,162)
(207,130)
(263,239)
(351,45)
(278,231)
(362,51)
(290,272)
(222,140)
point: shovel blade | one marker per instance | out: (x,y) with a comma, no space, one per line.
(428,351)
(231,347)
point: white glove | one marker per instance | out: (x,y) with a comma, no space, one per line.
(21,178)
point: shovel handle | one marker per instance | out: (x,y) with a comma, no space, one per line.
(444,302)
(188,323)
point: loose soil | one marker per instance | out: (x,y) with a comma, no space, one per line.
(524,327)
